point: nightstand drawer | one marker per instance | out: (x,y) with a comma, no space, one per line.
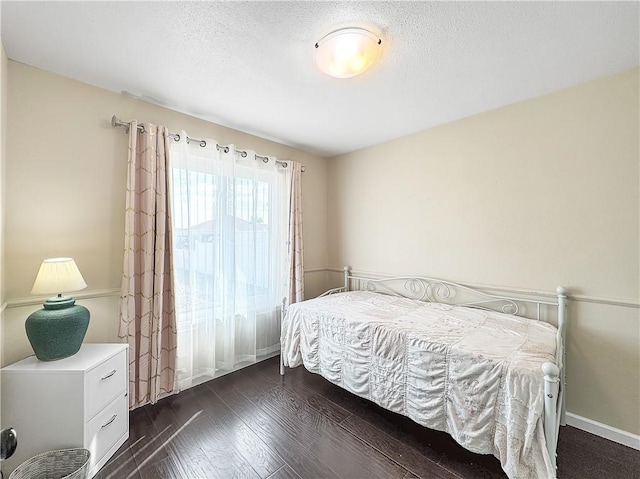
(104,430)
(104,382)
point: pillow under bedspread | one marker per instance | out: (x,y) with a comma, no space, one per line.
(473,373)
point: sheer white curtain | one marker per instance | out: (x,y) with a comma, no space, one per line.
(230,232)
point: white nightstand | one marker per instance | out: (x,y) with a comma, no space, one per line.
(79,401)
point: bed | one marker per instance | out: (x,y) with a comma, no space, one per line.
(486,369)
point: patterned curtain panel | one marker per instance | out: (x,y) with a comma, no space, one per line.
(147,312)
(296,264)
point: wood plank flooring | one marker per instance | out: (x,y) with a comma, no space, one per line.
(254,424)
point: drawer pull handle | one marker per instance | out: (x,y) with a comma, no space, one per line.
(108,375)
(113,418)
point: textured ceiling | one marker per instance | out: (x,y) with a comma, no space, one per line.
(249,65)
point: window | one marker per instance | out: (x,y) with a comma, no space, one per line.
(229,234)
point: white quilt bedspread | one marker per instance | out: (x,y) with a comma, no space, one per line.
(472,373)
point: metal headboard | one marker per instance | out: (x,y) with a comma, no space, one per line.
(434,290)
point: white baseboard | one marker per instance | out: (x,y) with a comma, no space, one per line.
(616,435)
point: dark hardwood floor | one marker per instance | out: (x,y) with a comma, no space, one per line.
(253,424)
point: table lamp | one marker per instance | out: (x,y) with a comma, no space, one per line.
(57,331)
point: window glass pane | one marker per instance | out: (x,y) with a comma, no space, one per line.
(214,216)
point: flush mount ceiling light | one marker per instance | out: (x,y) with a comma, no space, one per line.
(347,52)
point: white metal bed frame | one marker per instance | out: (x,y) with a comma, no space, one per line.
(437,290)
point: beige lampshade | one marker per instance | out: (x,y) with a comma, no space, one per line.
(58,275)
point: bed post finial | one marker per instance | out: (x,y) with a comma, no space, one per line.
(346,269)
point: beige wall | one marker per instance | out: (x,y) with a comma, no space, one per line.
(3,156)
(66,172)
(533,195)
(3,136)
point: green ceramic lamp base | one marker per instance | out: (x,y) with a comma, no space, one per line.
(57,331)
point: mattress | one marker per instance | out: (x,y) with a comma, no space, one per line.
(472,373)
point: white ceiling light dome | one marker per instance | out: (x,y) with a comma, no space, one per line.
(347,52)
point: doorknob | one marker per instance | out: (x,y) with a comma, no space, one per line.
(8,442)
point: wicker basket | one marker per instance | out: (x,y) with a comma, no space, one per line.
(60,464)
